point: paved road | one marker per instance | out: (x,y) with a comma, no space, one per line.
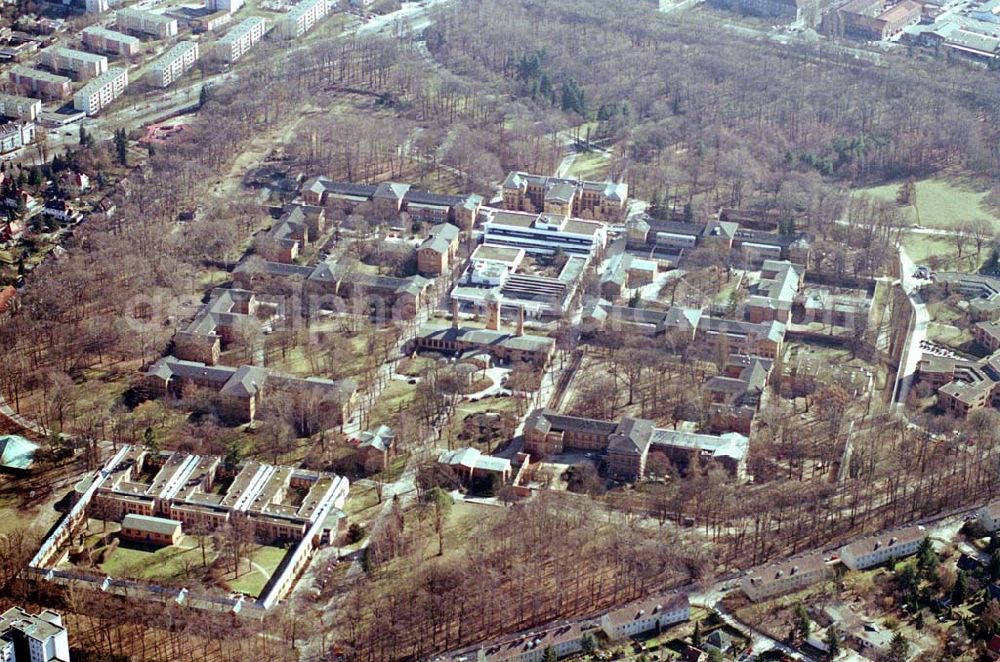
(917,333)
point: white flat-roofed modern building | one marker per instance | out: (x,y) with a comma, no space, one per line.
(108,41)
(231,6)
(20,108)
(235,43)
(42,83)
(172,64)
(101,91)
(14,136)
(144,22)
(543,233)
(25,637)
(82,64)
(302,18)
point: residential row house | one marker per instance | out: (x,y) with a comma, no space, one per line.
(784,577)
(235,43)
(873,550)
(101,92)
(40,83)
(20,108)
(135,21)
(103,40)
(81,64)
(173,64)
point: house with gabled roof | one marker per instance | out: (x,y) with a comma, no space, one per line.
(437,252)
(605,201)
(646,615)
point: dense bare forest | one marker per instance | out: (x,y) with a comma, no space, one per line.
(703,109)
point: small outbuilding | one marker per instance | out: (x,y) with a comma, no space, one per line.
(151,530)
(17,454)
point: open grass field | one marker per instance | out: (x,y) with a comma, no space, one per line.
(938,252)
(940,203)
(264,561)
(593,166)
(173,563)
(395,397)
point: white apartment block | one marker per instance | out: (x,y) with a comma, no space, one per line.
(238,41)
(144,22)
(172,64)
(25,637)
(97,6)
(639,617)
(42,83)
(21,108)
(101,91)
(877,549)
(82,64)
(543,233)
(14,136)
(785,577)
(103,40)
(302,18)
(231,6)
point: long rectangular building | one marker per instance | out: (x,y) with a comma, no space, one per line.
(544,233)
(21,108)
(103,40)
(82,64)
(173,64)
(100,92)
(143,22)
(235,43)
(42,83)
(302,18)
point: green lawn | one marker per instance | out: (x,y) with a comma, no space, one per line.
(593,166)
(940,203)
(938,252)
(395,397)
(265,561)
(164,563)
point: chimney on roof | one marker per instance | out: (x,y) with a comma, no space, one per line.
(454,313)
(520,320)
(493,314)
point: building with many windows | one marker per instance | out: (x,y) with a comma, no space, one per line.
(881,547)
(643,616)
(785,577)
(173,64)
(102,91)
(26,637)
(97,6)
(543,233)
(156,494)
(235,43)
(302,18)
(626,443)
(15,135)
(81,64)
(20,108)
(44,84)
(605,201)
(135,21)
(103,40)
(231,6)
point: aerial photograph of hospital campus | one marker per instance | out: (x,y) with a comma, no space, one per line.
(499,330)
